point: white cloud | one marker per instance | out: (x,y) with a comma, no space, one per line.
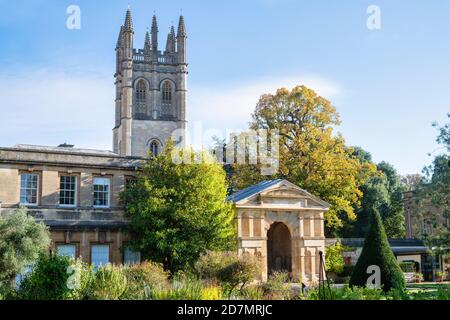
(230,107)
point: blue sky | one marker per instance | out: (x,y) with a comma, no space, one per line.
(388,85)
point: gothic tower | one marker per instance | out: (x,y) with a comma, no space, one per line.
(151,88)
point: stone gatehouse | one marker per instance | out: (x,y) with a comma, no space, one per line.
(284,226)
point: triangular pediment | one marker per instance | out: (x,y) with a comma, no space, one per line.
(283,195)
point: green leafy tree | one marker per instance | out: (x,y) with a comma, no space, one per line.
(47,280)
(434,195)
(377,252)
(334,259)
(311,154)
(383,191)
(21,242)
(179,211)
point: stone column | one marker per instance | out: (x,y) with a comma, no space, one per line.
(302,230)
(322,225)
(311,226)
(239,231)
(302,263)
(313,265)
(251,216)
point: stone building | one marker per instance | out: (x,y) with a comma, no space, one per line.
(76,191)
(151,88)
(284,226)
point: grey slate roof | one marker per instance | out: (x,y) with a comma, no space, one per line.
(398,246)
(250,191)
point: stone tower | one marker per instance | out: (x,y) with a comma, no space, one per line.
(151,88)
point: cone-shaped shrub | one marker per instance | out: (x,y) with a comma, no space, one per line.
(377,252)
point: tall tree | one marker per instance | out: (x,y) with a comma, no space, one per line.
(179,211)
(311,154)
(434,194)
(22,239)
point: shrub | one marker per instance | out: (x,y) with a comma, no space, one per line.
(252,292)
(144,278)
(229,269)
(47,280)
(277,287)
(350,293)
(407,266)
(22,240)
(377,252)
(81,280)
(183,287)
(334,260)
(211,292)
(109,283)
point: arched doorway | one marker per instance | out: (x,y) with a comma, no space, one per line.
(279,249)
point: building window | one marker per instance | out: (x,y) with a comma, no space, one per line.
(131,257)
(154,148)
(141,97)
(167,93)
(67,191)
(29,189)
(68,250)
(99,255)
(101,192)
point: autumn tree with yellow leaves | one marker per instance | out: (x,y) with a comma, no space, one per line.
(311,154)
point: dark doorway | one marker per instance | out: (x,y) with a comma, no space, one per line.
(279,249)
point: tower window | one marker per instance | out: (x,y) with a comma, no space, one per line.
(141,97)
(167,93)
(154,148)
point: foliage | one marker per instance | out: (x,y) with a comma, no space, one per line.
(179,211)
(434,195)
(252,292)
(377,252)
(183,287)
(384,191)
(144,278)
(334,260)
(109,283)
(48,279)
(21,242)
(350,293)
(211,292)
(407,266)
(229,269)
(311,155)
(277,287)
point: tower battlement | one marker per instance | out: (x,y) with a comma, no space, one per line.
(151,87)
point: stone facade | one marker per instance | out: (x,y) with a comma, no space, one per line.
(284,226)
(82,224)
(151,89)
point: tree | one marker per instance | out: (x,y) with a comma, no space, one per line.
(434,194)
(377,252)
(310,154)
(383,191)
(22,239)
(179,211)
(392,213)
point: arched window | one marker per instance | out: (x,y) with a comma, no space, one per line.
(167,93)
(154,148)
(141,97)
